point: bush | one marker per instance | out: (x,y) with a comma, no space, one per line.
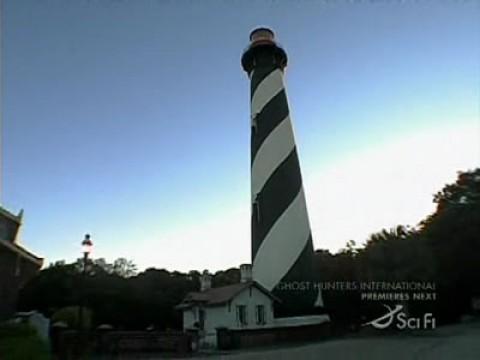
(16,330)
(21,342)
(69,315)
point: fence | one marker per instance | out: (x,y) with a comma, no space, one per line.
(69,344)
(235,339)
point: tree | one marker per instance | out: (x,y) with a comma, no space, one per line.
(451,233)
(227,277)
(104,265)
(444,248)
(124,267)
(69,316)
(465,191)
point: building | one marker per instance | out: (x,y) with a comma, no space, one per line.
(282,246)
(17,265)
(246,305)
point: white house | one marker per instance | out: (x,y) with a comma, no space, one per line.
(246,305)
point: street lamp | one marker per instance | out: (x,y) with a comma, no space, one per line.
(87,246)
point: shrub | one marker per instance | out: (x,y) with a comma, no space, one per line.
(21,342)
(69,315)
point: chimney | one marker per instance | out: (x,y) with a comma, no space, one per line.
(245,273)
(205,281)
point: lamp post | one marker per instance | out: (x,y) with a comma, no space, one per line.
(86,249)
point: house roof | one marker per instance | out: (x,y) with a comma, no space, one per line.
(9,235)
(11,216)
(22,252)
(221,295)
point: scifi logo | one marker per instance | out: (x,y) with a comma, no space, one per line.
(397,316)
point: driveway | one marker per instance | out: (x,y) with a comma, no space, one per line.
(451,342)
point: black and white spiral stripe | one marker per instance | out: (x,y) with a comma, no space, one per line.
(282,248)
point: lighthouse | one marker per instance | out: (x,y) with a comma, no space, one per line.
(282,247)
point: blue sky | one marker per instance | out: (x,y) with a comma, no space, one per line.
(130,119)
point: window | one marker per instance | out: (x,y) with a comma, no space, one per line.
(260,314)
(201,319)
(254,122)
(256,208)
(242,314)
(18,266)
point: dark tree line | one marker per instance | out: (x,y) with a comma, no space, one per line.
(115,293)
(444,249)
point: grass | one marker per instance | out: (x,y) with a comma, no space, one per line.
(21,342)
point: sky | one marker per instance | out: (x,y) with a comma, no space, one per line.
(129,120)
